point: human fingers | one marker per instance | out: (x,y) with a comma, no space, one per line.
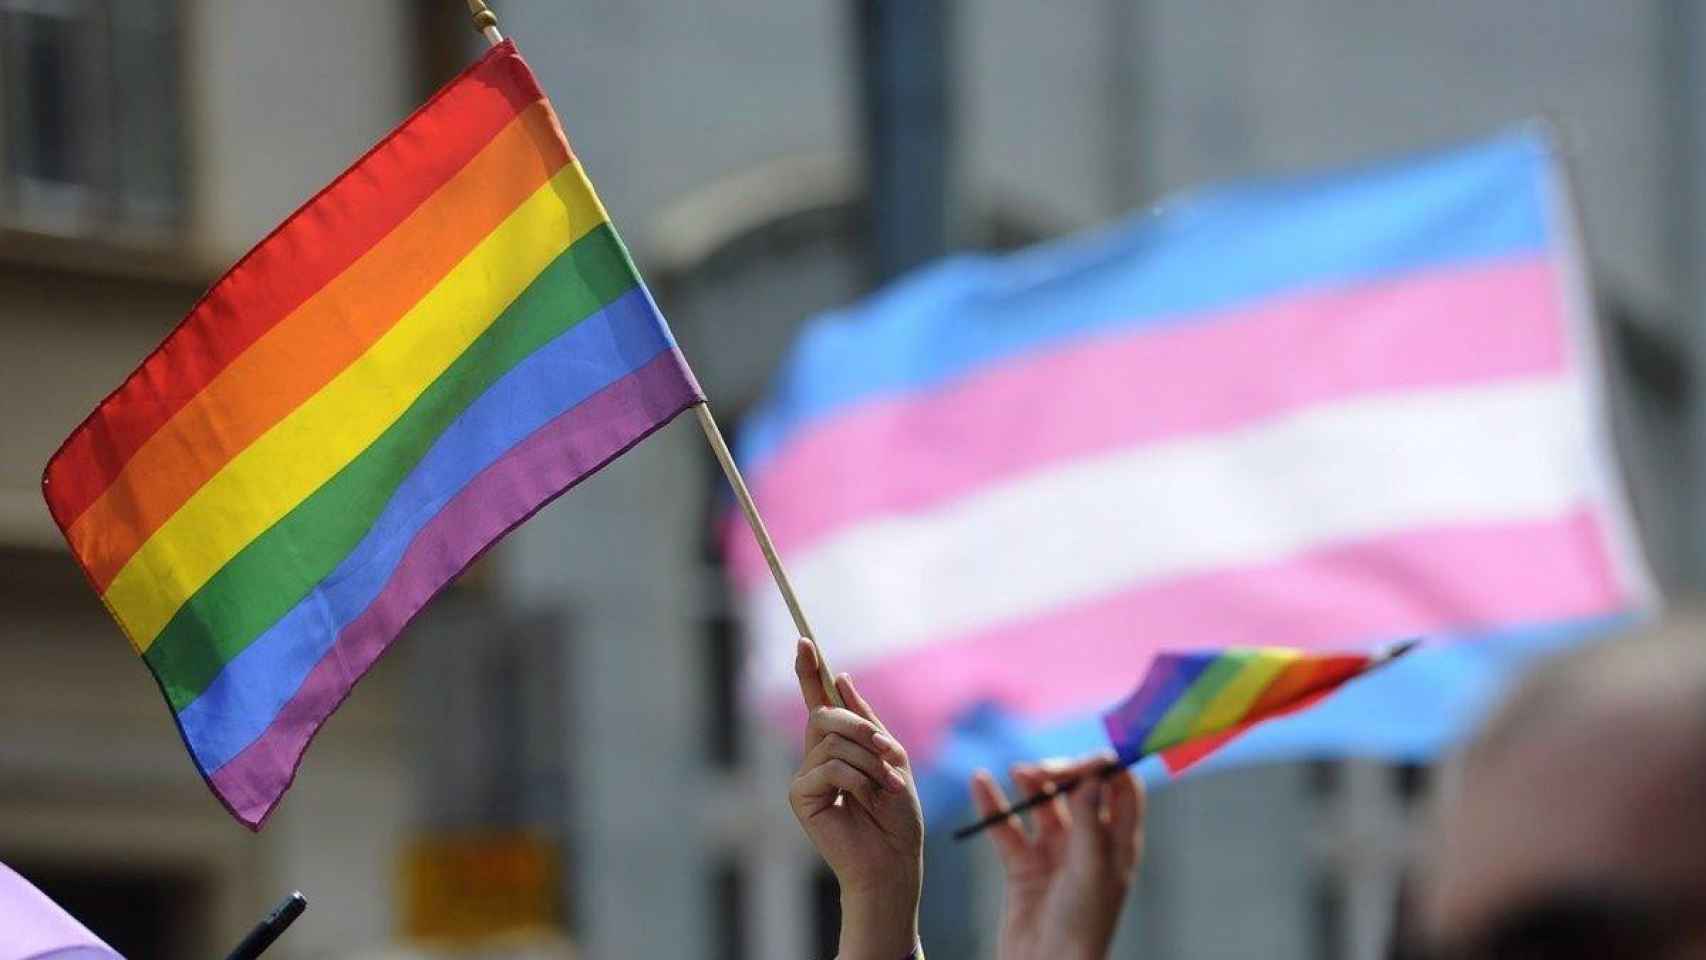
(1087,839)
(840,720)
(806,672)
(856,700)
(886,741)
(836,746)
(1094,764)
(1011,841)
(1125,808)
(1051,816)
(819,785)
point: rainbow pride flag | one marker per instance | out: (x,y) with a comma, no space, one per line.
(1322,411)
(1191,704)
(440,342)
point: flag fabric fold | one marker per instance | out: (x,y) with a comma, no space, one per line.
(1323,411)
(440,342)
(33,927)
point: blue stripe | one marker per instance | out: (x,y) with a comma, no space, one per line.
(241,702)
(1227,248)
(1408,712)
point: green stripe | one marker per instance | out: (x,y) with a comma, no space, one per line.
(1175,725)
(277,569)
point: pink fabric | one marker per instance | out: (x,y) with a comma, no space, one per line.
(32,927)
(1421,582)
(1154,385)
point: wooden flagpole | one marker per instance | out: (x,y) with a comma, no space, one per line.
(486,22)
(714,436)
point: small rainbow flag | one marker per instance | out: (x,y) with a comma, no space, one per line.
(1191,704)
(440,342)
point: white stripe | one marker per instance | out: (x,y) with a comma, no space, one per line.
(1623,541)
(1507,452)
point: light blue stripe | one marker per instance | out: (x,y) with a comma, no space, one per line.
(1230,247)
(1408,712)
(241,702)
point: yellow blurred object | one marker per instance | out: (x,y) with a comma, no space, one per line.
(470,887)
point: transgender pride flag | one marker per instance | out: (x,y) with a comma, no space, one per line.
(1319,413)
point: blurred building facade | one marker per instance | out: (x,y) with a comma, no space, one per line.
(580,688)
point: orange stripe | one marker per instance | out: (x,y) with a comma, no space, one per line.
(313,245)
(312,345)
(1301,686)
(1308,674)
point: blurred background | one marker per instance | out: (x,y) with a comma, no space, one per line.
(765,161)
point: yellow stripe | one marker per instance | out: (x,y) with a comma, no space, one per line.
(1232,700)
(316,440)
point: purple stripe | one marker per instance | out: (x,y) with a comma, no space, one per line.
(530,475)
(1170,675)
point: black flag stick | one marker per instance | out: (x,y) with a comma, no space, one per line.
(1065,787)
(1061,789)
(265,932)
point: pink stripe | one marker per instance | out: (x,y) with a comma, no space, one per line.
(1145,386)
(1343,597)
(530,475)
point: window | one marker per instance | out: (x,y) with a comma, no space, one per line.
(1368,811)
(729,910)
(1328,913)
(90,119)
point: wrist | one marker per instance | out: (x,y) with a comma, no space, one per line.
(1026,933)
(879,924)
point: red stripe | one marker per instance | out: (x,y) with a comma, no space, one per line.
(1086,657)
(314,245)
(1471,324)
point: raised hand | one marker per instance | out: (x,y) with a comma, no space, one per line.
(1067,879)
(855,798)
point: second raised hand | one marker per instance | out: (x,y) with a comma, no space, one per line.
(854,796)
(1067,879)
